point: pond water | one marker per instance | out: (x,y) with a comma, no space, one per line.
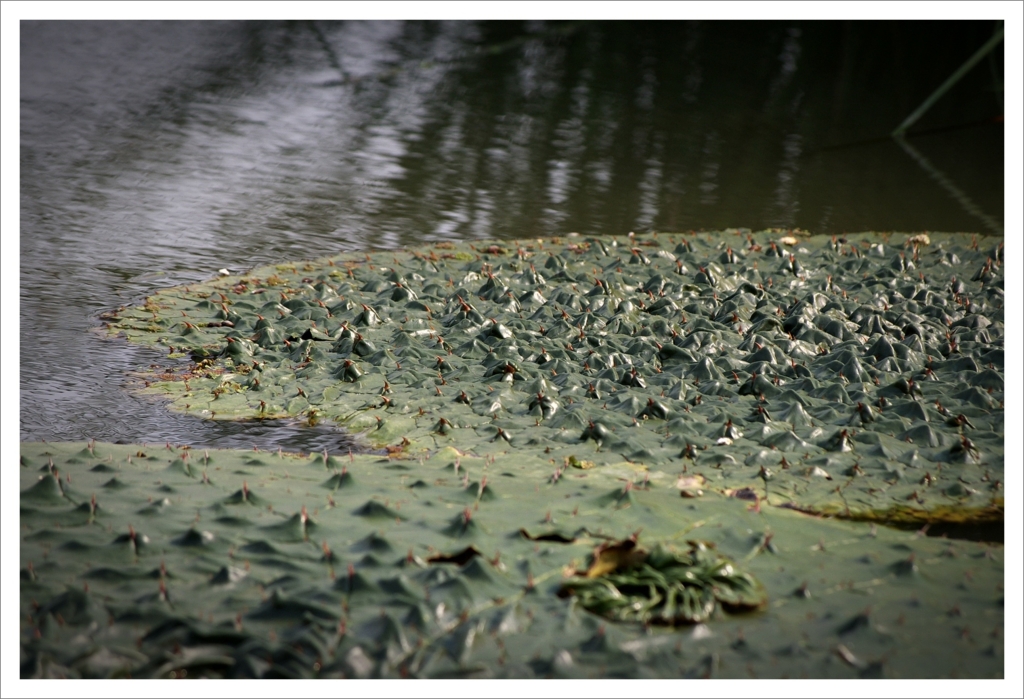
(156,153)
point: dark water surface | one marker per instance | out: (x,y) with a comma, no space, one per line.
(156,153)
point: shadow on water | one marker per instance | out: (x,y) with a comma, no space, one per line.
(266,435)
(989,531)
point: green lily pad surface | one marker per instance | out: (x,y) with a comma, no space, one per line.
(859,377)
(702,455)
(157,562)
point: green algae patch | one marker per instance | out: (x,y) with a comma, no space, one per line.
(474,566)
(858,377)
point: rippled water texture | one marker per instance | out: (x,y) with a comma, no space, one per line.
(157,153)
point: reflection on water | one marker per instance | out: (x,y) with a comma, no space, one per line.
(158,153)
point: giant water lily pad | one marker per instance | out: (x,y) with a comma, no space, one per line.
(859,377)
(174,573)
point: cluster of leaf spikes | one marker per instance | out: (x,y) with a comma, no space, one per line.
(626,583)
